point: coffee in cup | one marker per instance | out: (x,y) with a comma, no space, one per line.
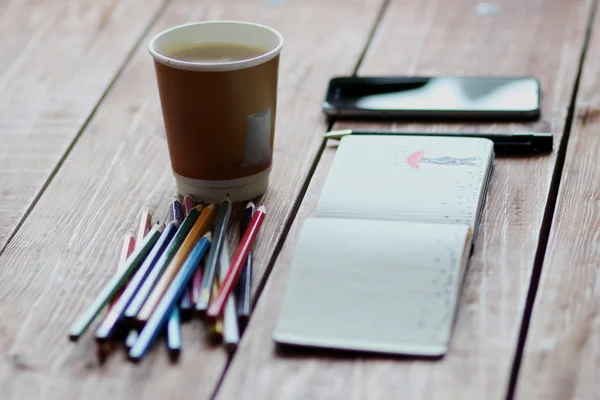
(217,83)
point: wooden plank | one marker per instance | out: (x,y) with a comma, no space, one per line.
(56,60)
(436,37)
(560,359)
(66,249)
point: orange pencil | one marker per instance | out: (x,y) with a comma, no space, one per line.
(241,254)
(201,226)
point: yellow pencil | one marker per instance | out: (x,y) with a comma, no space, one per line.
(201,226)
(215,329)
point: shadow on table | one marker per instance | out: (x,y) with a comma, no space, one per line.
(300,352)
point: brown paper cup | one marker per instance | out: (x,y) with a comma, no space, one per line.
(219,117)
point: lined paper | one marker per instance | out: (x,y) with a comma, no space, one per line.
(382,286)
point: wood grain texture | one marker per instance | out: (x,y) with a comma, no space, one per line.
(56,60)
(67,247)
(436,37)
(562,350)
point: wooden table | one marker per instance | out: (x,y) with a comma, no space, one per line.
(82,151)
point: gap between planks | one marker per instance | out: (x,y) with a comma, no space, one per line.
(61,161)
(289,222)
(549,214)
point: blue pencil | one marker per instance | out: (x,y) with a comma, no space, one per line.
(174,342)
(138,300)
(110,323)
(163,310)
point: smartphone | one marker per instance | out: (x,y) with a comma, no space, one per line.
(434,97)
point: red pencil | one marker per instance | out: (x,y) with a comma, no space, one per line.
(196,283)
(188,203)
(126,250)
(143,227)
(215,309)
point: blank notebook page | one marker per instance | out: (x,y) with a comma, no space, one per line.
(382,286)
(427,179)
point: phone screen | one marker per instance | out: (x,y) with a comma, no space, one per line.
(443,96)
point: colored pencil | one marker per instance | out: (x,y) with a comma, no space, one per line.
(217,306)
(231,332)
(244,299)
(116,283)
(215,328)
(127,248)
(174,342)
(196,283)
(169,300)
(201,226)
(174,324)
(185,305)
(212,261)
(102,350)
(188,203)
(144,291)
(134,243)
(110,323)
(177,211)
(131,338)
(144,226)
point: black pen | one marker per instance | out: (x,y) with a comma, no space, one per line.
(530,142)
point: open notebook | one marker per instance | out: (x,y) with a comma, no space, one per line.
(380,266)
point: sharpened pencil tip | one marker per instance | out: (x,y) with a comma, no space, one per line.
(230,347)
(135,359)
(250,205)
(227,198)
(174,355)
(208,235)
(262,209)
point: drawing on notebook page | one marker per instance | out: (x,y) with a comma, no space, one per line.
(390,246)
(417,158)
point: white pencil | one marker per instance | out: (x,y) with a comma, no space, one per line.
(231,333)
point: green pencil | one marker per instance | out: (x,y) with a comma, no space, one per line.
(138,301)
(117,282)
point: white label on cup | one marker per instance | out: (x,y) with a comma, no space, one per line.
(258,139)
